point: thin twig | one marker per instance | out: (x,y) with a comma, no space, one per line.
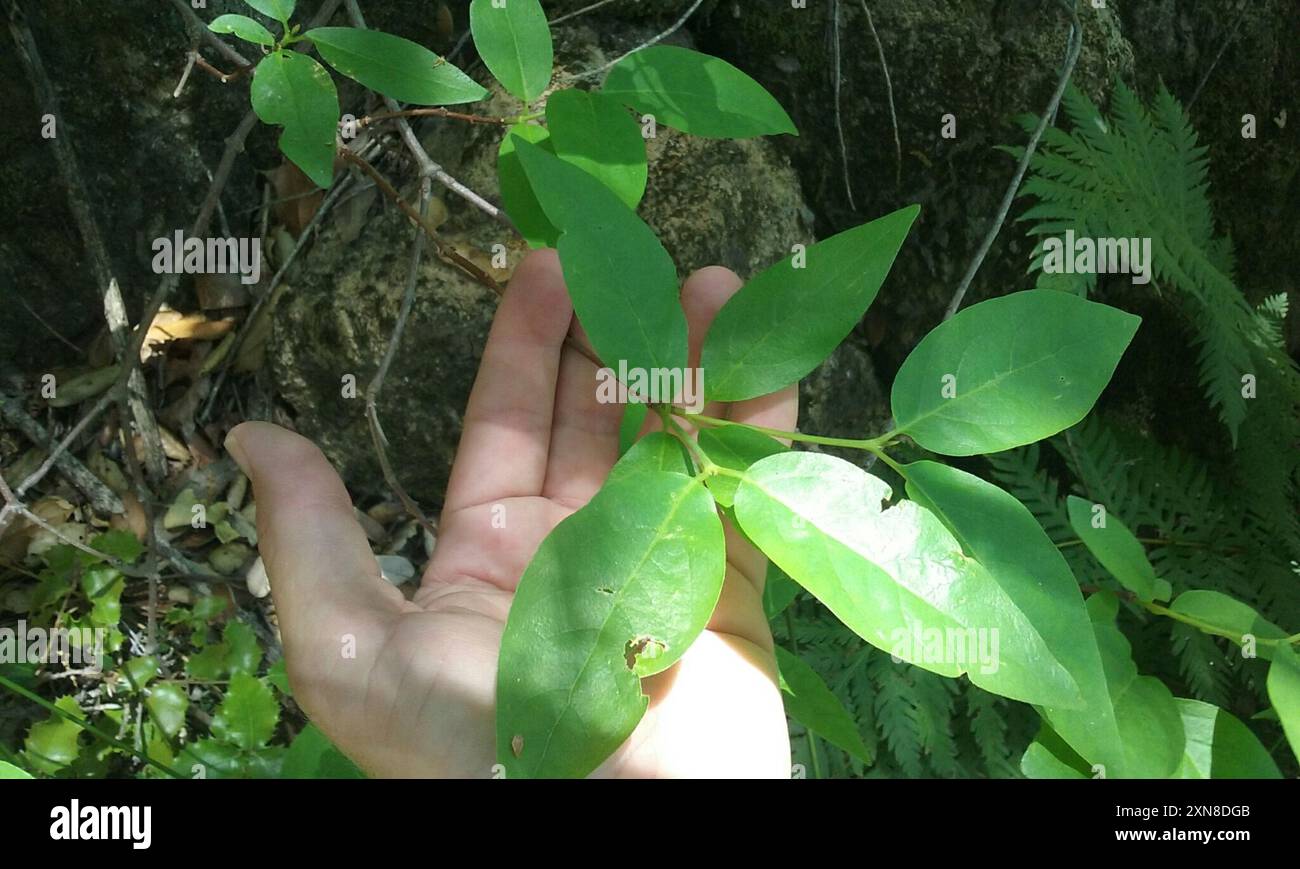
(654,40)
(889,91)
(49,328)
(102,498)
(1218,57)
(299,246)
(394,341)
(39,474)
(836,87)
(199,27)
(223,77)
(1072,55)
(583,11)
(445,250)
(190,56)
(432,113)
(427,165)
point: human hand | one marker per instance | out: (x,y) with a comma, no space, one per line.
(417,697)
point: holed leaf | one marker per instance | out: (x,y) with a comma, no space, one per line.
(1009,371)
(243,27)
(616,592)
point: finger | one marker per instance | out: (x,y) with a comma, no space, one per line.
(323,575)
(584,431)
(703,295)
(507,429)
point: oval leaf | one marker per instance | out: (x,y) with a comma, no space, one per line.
(622,281)
(395,67)
(280,10)
(243,27)
(1009,371)
(294,91)
(737,448)
(1284,692)
(616,592)
(517,194)
(697,94)
(514,41)
(1111,543)
(789,318)
(597,135)
(895,576)
(1227,615)
(812,704)
(1004,536)
(1220,746)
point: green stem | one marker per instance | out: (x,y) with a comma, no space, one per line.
(706,465)
(85,725)
(713,422)
(1213,630)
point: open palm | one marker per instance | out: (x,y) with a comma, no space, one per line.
(406,688)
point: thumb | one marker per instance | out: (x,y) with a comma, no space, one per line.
(324,578)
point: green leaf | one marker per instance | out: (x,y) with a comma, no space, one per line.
(1220,746)
(697,94)
(517,194)
(812,704)
(634,415)
(653,454)
(248,715)
(1229,616)
(294,91)
(167,704)
(789,318)
(395,67)
(616,592)
(514,41)
(1009,371)
(1284,692)
(736,448)
(1150,726)
(244,652)
(1050,757)
(243,27)
(312,756)
(52,744)
(122,545)
(1110,541)
(278,675)
(1008,541)
(896,577)
(209,663)
(622,281)
(139,672)
(104,586)
(779,591)
(9,771)
(596,134)
(280,10)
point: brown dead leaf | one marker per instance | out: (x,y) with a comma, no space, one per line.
(133,520)
(297,197)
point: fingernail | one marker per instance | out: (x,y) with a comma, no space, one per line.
(236,450)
